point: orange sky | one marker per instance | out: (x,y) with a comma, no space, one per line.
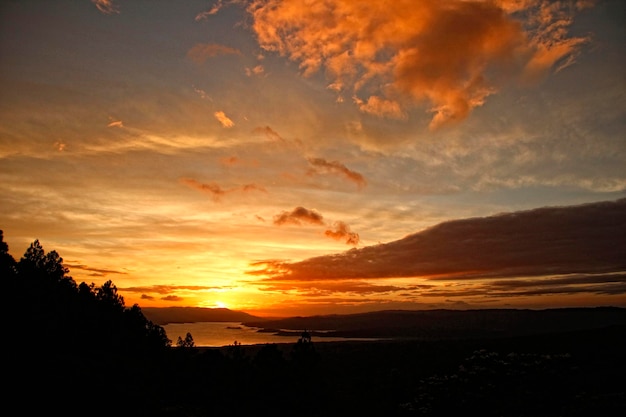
(271,157)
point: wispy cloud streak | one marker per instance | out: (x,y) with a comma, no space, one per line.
(216,191)
(320,165)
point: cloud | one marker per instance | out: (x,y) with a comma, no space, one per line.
(268,132)
(106,6)
(201,52)
(380,107)
(217,192)
(99,272)
(320,165)
(203,94)
(223,119)
(545,242)
(325,288)
(257,70)
(341,231)
(298,216)
(168,289)
(450,55)
(115,123)
(212,189)
(253,187)
(212,11)
(172,298)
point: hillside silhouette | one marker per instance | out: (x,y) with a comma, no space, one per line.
(450,324)
(78,350)
(167,315)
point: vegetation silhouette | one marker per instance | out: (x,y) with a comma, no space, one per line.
(77,349)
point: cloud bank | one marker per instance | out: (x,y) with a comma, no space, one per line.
(585,241)
(450,55)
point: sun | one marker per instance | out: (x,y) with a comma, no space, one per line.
(220,304)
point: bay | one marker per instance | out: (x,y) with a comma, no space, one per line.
(218,334)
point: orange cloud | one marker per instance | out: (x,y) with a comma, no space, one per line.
(201,52)
(322,165)
(213,10)
(106,6)
(258,70)
(223,119)
(450,54)
(116,123)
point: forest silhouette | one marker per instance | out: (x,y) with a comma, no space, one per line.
(77,349)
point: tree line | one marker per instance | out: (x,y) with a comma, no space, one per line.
(78,349)
(50,309)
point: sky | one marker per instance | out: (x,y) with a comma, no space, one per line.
(292,157)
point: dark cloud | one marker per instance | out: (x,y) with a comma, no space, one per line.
(298,216)
(268,132)
(320,165)
(337,230)
(341,231)
(167,289)
(172,298)
(98,272)
(326,288)
(587,240)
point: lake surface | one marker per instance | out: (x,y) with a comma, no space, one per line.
(217,334)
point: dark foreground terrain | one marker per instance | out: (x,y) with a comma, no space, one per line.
(76,350)
(579,373)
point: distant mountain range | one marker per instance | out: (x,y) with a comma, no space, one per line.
(451,324)
(414,324)
(166,315)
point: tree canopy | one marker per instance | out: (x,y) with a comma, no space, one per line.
(55,312)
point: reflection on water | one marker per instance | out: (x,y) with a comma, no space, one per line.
(226,333)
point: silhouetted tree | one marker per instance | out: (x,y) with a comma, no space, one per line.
(58,313)
(187,342)
(7,263)
(303,353)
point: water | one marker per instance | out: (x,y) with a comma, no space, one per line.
(218,334)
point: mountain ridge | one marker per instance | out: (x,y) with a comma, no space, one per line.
(167,315)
